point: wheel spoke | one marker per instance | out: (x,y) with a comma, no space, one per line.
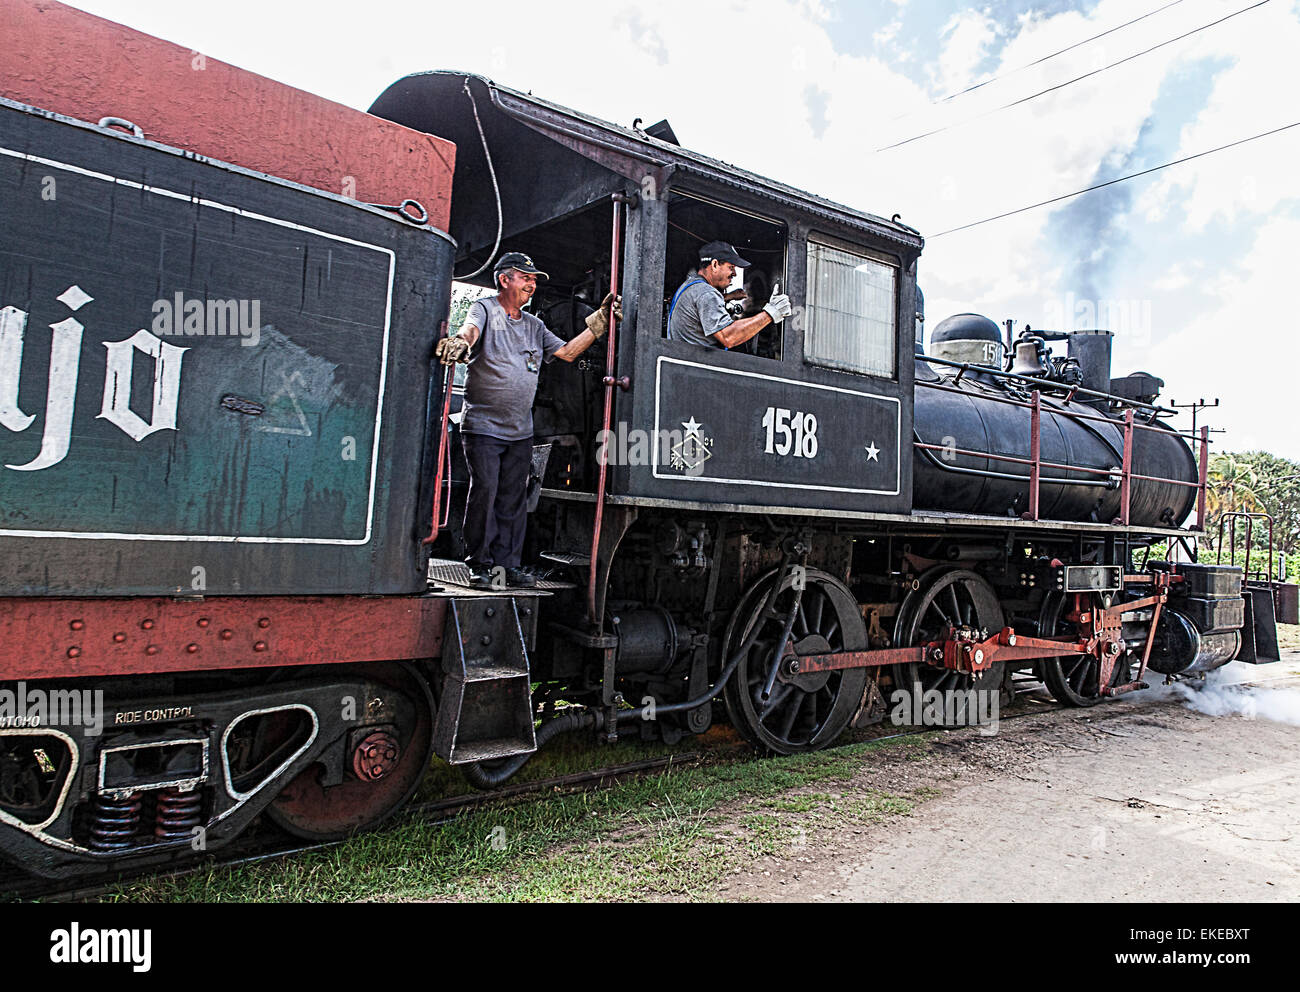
(801,620)
(792,714)
(1084,673)
(944,621)
(817,617)
(959,711)
(952,598)
(1078,663)
(826,696)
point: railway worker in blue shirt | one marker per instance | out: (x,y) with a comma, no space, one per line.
(698,312)
(505,348)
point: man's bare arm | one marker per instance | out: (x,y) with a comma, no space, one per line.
(740,331)
(572,349)
(470,333)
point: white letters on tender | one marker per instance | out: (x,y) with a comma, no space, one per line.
(61,395)
(166,384)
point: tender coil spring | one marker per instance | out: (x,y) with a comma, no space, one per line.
(114,822)
(178,814)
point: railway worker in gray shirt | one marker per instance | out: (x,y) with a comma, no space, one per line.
(505,348)
(698,313)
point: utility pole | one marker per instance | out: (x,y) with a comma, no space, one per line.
(1196,408)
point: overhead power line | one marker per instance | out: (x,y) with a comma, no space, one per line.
(1045,58)
(1112,182)
(1068,82)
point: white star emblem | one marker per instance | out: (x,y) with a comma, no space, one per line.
(873,453)
(692,426)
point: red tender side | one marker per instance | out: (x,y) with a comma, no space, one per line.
(63,60)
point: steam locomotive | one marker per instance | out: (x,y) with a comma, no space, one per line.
(230,583)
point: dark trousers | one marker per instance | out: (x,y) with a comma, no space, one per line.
(496,514)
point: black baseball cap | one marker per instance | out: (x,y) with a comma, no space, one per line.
(723,252)
(517,260)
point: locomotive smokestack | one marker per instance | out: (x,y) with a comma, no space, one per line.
(1092,350)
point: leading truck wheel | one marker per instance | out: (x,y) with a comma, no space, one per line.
(384,767)
(954,598)
(1073,679)
(810,711)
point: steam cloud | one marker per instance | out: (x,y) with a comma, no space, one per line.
(1252,702)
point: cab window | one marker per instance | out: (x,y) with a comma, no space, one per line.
(851,310)
(694,220)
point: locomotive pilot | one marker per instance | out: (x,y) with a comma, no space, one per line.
(505,348)
(698,312)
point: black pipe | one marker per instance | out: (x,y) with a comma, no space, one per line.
(481,778)
(770,684)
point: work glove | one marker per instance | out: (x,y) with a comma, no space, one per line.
(452,350)
(598,322)
(778,307)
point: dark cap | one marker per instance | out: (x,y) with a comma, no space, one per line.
(723,252)
(517,260)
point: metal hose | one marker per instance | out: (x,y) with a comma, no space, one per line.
(481,778)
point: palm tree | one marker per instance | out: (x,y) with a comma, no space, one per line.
(1230,488)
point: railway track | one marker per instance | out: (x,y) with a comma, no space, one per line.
(269,845)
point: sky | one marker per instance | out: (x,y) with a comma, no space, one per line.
(1192,266)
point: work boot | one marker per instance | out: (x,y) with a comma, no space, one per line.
(480,575)
(520,578)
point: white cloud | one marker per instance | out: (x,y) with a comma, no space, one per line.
(1243,348)
(1255,178)
(967,38)
(1175,277)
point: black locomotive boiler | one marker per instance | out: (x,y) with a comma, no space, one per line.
(785,535)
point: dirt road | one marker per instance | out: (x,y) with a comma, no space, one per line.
(1141,799)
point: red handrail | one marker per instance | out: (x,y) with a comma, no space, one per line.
(615,253)
(1126,471)
(1205,476)
(444,455)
